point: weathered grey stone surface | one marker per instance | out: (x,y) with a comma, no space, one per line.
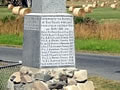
(45,81)
(42,77)
(49,6)
(57,85)
(31,46)
(49,40)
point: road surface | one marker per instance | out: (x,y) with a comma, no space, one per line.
(96,64)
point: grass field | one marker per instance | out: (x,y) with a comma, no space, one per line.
(105,13)
(4,12)
(98,13)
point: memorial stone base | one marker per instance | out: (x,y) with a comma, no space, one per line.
(48,40)
(50,79)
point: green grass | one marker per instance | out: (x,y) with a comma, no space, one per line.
(4,12)
(104,84)
(11,40)
(112,46)
(105,13)
(5,74)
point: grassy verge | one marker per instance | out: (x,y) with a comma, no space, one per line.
(112,46)
(103,84)
(11,40)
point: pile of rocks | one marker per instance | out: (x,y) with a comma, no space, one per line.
(50,79)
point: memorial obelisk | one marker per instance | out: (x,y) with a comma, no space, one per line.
(48,36)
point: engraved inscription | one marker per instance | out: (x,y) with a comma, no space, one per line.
(57,42)
(32,23)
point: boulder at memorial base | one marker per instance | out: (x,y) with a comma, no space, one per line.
(80,75)
(39,85)
(86,86)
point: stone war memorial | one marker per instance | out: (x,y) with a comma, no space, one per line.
(49,51)
(49,35)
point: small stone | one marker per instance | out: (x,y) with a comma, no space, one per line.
(57,85)
(26,79)
(39,85)
(80,76)
(56,72)
(28,86)
(27,69)
(42,77)
(39,76)
(62,77)
(12,78)
(86,86)
(72,81)
(70,69)
(15,77)
(52,81)
(30,73)
(18,86)
(47,77)
(10,85)
(70,72)
(71,87)
(24,70)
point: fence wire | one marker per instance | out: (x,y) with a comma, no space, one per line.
(7,68)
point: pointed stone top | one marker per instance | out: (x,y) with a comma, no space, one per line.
(48,6)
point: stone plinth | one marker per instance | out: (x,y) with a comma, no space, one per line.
(49,40)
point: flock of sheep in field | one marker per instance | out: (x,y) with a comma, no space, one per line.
(80,12)
(88,8)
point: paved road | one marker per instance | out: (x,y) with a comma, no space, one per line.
(106,66)
(12,54)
